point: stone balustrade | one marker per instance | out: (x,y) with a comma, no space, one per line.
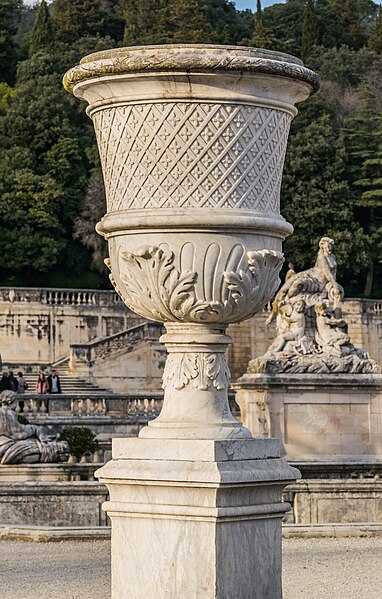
(59,297)
(88,353)
(133,407)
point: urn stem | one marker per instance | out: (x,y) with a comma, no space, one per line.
(196,381)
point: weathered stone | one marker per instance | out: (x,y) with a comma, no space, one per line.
(192,142)
(312,336)
(315,417)
(25,443)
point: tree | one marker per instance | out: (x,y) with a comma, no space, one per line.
(144,20)
(285,21)
(375,40)
(74,19)
(42,31)
(262,36)
(364,145)
(93,210)
(309,30)
(317,199)
(188,22)
(10,12)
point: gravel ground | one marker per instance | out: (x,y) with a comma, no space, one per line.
(313,569)
(348,568)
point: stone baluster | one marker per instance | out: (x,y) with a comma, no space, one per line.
(80,407)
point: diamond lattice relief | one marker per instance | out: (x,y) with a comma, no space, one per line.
(192,155)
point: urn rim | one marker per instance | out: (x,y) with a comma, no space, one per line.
(190,58)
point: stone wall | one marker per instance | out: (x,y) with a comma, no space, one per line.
(37,326)
(50,503)
(332,501)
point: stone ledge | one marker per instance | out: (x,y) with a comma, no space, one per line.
(54,533)
(311,531)
(42,534)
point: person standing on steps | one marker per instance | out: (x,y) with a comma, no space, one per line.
(42,384)
(5,383)
(13,381)
(54,385)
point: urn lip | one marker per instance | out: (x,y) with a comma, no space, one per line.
(189,58)
(198,219)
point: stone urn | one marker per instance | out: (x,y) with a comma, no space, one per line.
(192,142)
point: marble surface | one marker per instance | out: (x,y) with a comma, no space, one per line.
(203,516)
(192,142)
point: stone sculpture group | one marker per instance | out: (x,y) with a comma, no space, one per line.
(311,333)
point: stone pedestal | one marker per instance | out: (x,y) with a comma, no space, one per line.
(196,519)
(316,417)
(192,142)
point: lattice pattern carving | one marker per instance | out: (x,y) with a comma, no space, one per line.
(200,155)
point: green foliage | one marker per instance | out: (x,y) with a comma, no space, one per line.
(262,35)
(375,40)
(317,198)
(51,189)
(74,19)
(363,136)
(81,440)
(22,419)
(42,31)
(10,14)
(309,30)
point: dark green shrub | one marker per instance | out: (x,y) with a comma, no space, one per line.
(22,419)
(81,440)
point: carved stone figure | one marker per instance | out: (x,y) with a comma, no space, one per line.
(311,333)
(25,443)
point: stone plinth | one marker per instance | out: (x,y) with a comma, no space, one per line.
(196,518)
(316,417)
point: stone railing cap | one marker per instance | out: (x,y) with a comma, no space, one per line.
(187,57)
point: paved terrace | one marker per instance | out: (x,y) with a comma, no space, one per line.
(313,569)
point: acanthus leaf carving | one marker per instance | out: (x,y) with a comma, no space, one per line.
(251,289)
(202,370)
(157,290)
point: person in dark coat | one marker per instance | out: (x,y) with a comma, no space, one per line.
(54,385)
(5,383)
(13,380)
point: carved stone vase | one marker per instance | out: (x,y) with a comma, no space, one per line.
(192,142)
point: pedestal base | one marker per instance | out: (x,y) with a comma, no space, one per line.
(316,417)
(196,519)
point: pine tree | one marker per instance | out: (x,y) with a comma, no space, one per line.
(309,30)
(74,19)
(188,22)
(262,37)
(348,14)
(375,40)
(364,146)
(42,32)
(10,11)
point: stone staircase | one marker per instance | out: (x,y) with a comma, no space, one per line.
(69,382)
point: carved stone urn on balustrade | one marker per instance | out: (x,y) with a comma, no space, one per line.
(192,142)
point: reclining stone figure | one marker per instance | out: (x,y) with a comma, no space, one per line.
(25,443)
